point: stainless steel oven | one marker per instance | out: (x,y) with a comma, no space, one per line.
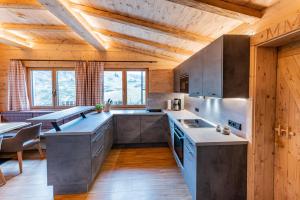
(178,144)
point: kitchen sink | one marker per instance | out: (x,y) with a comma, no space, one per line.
(195,123)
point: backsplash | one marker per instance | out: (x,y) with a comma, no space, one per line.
(159,100)
(219,111)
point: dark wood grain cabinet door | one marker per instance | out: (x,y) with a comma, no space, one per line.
(195,75)
(212,70)
(153,129)
(128,129)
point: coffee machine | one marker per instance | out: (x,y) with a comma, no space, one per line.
(177,104)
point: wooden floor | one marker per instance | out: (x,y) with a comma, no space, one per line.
(127,174)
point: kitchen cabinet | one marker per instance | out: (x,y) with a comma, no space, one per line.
(128,129)
(170,133)
(180,71)
(190,166)
(138,129)
(153,129)
(74,160)
(196,74)
(216,171)
(212,69)
(219,70)
(226,67)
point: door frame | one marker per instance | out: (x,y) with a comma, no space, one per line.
(262,95)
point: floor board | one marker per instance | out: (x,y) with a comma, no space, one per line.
(127,174)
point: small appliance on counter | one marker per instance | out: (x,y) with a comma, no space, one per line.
(177,104)
(169,104)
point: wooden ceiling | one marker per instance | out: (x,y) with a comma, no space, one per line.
(171,29)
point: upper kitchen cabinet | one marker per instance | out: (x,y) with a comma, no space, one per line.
(181,77)
(196,74)
(226,67)
(219,70)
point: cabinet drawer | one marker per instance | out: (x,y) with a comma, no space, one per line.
(97,160)
(190,145)
(97,142)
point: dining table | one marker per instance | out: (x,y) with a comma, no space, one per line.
(4,128)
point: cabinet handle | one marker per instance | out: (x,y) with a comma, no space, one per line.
(190,151)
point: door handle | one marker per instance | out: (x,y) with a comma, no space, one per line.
(285,131)
(291,133)
(278,130)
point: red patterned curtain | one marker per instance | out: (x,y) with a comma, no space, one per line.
(17,87)
(89,83)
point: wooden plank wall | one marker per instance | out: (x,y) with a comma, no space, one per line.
(161,81)
(261,145)
(83,52)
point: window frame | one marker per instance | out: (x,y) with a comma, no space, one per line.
(124,86)
(54,86)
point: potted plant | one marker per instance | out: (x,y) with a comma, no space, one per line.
(99,107)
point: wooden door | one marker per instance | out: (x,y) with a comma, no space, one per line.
(287,138)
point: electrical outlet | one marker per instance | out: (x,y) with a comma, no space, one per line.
(235,125)
(197,109)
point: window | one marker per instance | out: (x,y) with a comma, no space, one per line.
(52,88)
(125,87)
(113,87)
(66,89)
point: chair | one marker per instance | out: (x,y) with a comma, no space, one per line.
(2,178)
(24,139)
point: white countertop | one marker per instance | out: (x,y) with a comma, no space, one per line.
(203,136)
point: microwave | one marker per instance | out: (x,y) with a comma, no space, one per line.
(184,84)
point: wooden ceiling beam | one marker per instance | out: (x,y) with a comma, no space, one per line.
(21,4)
(141,23)
(62,11)
(224,8)
(166,47)
(35,27)
(63,28)
(13,40)
(122,46)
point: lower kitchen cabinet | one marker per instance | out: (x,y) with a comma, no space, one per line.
(128,129)
(190,166)
(216,172)
(73,161)
(141,129)
(153,129)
